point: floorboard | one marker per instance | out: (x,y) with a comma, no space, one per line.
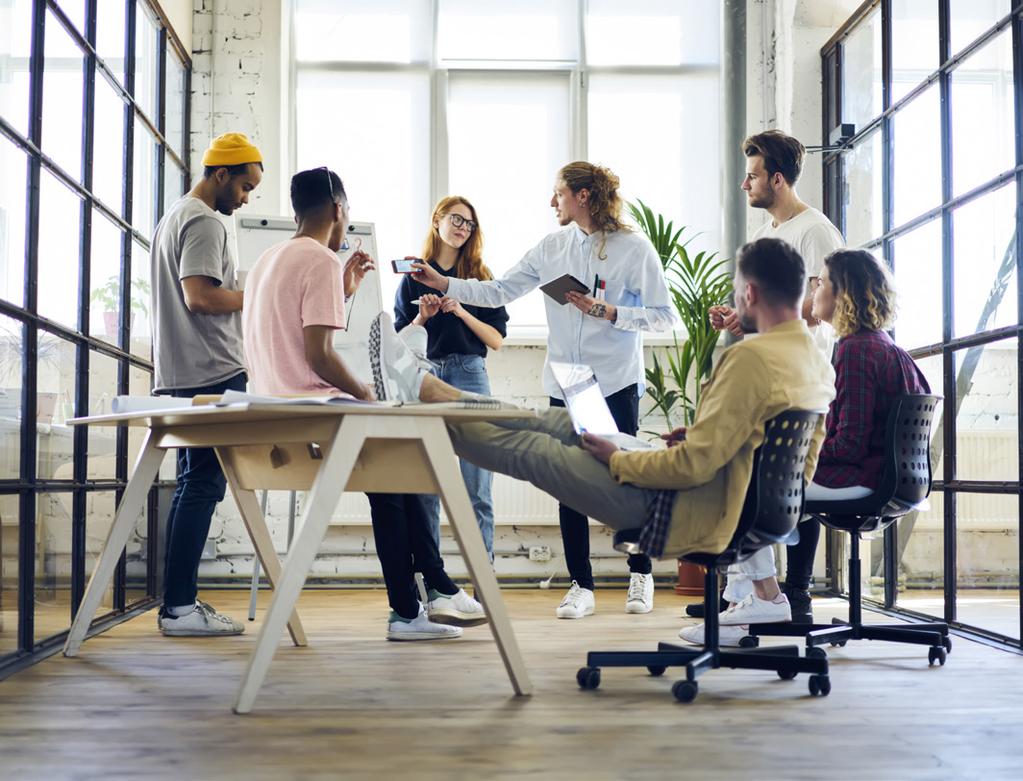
(135,704)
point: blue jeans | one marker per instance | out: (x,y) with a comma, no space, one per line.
(201,485)
(468,373)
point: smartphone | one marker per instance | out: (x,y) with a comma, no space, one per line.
(404,266)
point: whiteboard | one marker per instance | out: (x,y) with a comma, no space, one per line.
(257,234)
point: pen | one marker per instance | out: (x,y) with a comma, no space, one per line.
(596,282)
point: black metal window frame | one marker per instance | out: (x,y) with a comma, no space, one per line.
(168,161)
(947,348)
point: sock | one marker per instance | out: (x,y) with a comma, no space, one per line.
(780,599)
(180,610)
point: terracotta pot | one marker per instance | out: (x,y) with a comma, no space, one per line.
(690,579)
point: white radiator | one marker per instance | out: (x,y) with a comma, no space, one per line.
(982,455)
(515,502)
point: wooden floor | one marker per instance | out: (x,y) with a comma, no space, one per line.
(137,705)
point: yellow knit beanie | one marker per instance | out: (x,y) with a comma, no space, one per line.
(231,149)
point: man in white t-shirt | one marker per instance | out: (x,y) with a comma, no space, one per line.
(774,161)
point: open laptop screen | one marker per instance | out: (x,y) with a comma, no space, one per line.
(584,399)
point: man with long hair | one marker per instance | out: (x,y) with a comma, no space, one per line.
(602,330)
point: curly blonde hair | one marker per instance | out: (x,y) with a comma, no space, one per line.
(605,203)
(864,293)
(470,263)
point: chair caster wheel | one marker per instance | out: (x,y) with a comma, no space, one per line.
(839,644)
(819,685)
(947,642)
(936,653)
(685,691)
(656,670)
(588,677)
(749,641)
(788,674)
(815,652)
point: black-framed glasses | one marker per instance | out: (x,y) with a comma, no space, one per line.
(458,221)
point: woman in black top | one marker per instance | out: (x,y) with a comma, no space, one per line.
(458,335)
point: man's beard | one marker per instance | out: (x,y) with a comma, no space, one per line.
(764,201)
(749,325)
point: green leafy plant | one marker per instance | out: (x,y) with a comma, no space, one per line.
(109,295)
(696,284)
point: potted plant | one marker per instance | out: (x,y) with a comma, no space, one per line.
(109,298)
(696,283)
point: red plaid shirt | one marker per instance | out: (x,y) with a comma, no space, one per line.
(870,372)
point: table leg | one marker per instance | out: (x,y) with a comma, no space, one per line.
(134,500)
(437,444)
(255,522)
(320,503)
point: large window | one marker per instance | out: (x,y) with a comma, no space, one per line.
(93,127)
(932,182)
(411,100)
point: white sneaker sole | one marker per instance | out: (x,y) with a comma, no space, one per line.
(413,636)
(587,612)
(199,633)
(456,618)
(637,607)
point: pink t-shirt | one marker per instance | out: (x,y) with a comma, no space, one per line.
(296,283)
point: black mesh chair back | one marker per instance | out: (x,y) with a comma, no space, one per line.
(774,499)
(905,475)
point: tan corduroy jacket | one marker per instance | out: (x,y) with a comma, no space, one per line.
(753,381)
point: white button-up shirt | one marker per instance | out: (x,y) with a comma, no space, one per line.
(634,284)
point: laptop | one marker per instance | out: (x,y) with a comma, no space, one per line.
(587,407)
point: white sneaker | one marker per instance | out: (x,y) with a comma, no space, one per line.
(397,373)
(203,621)
(578,602)
(419,628)
(415,338)
(458,609)
(728,636)
(753,610)
(641,593)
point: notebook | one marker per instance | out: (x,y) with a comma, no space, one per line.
(587,407)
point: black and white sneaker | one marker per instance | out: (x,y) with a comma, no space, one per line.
(203,621)
(397,370)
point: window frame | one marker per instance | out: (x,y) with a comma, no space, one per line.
(950,348)
(28,487)
(438,72)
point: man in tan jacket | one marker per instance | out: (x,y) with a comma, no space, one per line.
(707,468)
(686,497)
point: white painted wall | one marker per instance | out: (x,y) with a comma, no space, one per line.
(179,13)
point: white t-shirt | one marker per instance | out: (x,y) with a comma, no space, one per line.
(814,238)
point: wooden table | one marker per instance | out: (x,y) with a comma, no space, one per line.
(322,449)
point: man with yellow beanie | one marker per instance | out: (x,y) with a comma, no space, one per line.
(197,349)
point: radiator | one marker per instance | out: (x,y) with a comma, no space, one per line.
(982,455)
(515,503)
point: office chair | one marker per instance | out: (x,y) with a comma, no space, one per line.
(905,483)
(773,507)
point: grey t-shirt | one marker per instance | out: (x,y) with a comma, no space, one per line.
(192,350)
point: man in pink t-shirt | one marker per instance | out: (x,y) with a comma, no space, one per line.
(294,301)
(297,284)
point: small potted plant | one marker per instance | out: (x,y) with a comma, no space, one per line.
(108,297)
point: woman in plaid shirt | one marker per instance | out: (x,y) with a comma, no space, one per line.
(854,294)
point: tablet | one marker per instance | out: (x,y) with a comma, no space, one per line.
(557,288)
